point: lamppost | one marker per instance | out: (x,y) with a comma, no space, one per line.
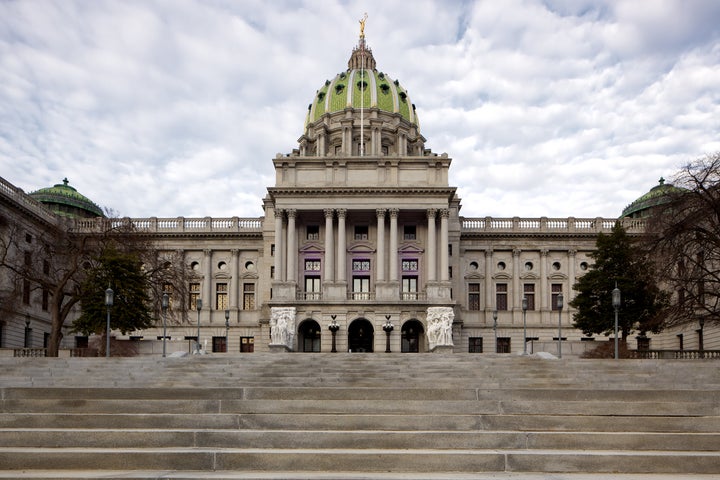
(616,306)
(388,327)
(164,305)
(495,328)
(560,307)
(333,327)
(524,310)
(109,296)
(227,328)
(197,343)
(701,339)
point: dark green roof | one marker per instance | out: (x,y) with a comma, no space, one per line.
(66,201)
(657,195)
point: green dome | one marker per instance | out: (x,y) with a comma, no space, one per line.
(657,195)
(361,85)
(64,200)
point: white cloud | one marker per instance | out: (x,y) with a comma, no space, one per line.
(551,108)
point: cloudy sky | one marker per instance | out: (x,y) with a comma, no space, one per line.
(177,107)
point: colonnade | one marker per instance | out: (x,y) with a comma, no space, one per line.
(335,258)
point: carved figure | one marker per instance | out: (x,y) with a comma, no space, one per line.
(362,25)
(440,321)
(282,326)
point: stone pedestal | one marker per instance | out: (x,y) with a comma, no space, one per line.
(274,348)
(442,349)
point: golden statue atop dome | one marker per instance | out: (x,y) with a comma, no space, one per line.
(362,25)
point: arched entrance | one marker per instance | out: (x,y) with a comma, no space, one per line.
(309,336)
(360,336)
(412,336)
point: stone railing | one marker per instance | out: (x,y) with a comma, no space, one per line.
(548,225)
(674,354)
(18,196)
(173,225)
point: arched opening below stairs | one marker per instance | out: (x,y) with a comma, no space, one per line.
(309,336)
(412,337)
(360,336)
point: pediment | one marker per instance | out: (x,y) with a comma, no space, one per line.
(410,248)
(474,276)
(530,276)
(557,276)
(312,247)
(361,248)
(502,276)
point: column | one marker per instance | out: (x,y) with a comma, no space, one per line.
(489,301)
(380,263)
(516,297)
(208,304)
(329,242)
(431,257)
(278,245)
(544,295)
(234,280)
(394,244)
(341,262)
(571,275)
(291,246)
(444,256)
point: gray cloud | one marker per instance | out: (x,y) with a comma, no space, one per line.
(552,108)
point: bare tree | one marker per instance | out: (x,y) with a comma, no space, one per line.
(62,258)
(683,239)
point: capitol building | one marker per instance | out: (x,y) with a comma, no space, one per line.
(362,248)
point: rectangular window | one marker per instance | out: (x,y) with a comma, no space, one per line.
(409,232)
(475,345)
(219,345)
(501,296)
(529,292)
(248,296)
(28,238)
(221,296)
(46,267)
(312,265)
(45,300)
(361,288)
(26,292)
(313,232)
(28,258)
(272,249)
(503,345)
(272,272)
(410,265)
(247,344)
(473,296)
(361,265)
(194,289)
(312,287)
(643,344)
(361,232)
(409,288)
(556,288)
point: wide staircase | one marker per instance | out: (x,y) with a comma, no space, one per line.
(358,416)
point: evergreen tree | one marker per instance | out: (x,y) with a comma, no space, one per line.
(132,306)
(617,262)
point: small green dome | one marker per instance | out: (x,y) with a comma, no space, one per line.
(361,85)
(64,200)
(657,195)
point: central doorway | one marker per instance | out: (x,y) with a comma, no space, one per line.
(360,336)
(411,336)
(309,336)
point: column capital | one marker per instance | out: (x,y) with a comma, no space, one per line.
(394,212)
(279,213)
(431,212)
(291,213)
(444,213)
(544,252)
(516,252)
(207,252)
(341,212)
(329,212)
(488,252)
(234,252)
(572,252)
(381,212)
